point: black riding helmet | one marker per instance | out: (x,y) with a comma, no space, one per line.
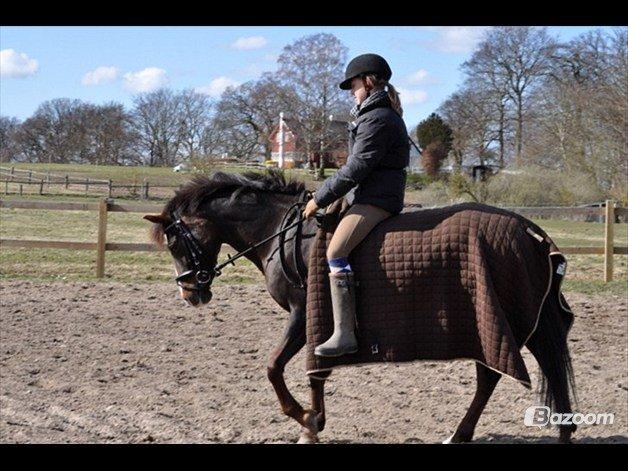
(363,65)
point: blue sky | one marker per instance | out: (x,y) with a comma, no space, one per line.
(101,64)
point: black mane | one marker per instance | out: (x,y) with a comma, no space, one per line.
(201,188)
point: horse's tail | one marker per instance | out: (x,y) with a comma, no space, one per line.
(549,346)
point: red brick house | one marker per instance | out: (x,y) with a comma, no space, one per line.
(294,152)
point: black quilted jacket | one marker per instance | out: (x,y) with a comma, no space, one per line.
(379,152)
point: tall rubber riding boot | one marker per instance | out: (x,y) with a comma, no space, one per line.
(342,341)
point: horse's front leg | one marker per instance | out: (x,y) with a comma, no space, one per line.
(317,389)
(293,341)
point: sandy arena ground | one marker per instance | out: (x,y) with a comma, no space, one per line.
(116,362)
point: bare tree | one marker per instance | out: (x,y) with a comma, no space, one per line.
(580,118)
(8,148)
(196,111)
(112,137)
(512,59)
(70,131)
(470,115)
(235,127)
(50,135)
(311,69)
(158,119)
(253,110)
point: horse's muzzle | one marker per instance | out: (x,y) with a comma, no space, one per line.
(196,298)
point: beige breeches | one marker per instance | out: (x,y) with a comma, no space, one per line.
(353,228)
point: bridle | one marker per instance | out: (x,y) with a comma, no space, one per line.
(203,273)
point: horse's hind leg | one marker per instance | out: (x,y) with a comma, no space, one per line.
(487,379)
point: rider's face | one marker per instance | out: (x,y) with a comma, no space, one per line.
(357,90)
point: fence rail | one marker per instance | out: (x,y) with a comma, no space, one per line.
(21,178)
(105,206)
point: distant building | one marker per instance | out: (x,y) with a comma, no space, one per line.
(476,170)
(290,152)
(335,157)
(294,153)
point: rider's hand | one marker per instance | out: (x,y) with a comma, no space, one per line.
(310,209)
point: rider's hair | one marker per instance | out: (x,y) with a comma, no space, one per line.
(375,83)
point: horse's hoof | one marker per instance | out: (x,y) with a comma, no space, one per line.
(454,439)
(307,438)
(309,433)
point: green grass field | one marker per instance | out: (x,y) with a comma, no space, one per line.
(585,272)
(136,175)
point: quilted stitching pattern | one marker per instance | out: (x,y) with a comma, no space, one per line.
(464,281)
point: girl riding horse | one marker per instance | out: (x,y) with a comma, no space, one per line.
(373,179)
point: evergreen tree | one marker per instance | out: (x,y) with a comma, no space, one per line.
(434,129)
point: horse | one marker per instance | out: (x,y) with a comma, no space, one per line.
(243,209)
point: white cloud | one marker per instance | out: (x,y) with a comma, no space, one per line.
(15,64)
(217,86)
(100,75)
(420,77)
(411,97)
(457,39)
(146,80)
(251,42)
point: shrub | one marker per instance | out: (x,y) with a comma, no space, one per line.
(432,157)
(537,186)
(417,181)
(534,186)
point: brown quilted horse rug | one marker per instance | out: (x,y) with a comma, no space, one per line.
(466,281)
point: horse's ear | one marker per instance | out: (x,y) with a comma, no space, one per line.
(156,218)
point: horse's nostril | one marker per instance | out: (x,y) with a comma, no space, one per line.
(190,297)
(206,297)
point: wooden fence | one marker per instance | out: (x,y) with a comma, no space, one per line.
(42,181)
(107,205)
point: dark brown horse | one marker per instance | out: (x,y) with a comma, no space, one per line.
(243,209)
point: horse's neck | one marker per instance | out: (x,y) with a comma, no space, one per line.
(244,238)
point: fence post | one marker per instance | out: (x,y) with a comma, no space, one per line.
(102,237)
(87,185)
(12,173)
(67,181)
(110,188)
(20,189)
(608,240)
(146,190)
(41,187)
(30,176)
